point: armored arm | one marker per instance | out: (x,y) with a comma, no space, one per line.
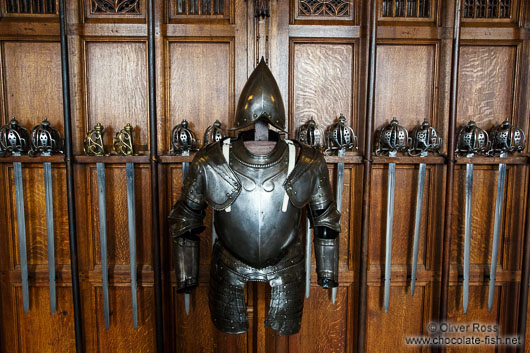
(325,219)
(185,223)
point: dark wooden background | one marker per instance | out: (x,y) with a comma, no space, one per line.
(320,61)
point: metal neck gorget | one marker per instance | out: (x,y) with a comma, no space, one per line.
(249,159)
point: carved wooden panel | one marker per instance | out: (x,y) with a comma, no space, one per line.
(131,10)
(418,64)
(200,10)
(116,88)
(406,8)
(29,7)
(200,84)
(322,86)
(32,78)
(486,84)
(489,9)
(324,11)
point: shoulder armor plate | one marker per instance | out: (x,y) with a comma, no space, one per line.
(304,176)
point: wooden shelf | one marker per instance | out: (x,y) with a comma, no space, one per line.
(143,158)
(57,158)
(409,160)
(493,160)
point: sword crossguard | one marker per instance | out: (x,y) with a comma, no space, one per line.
(472,139)
(340,136)
(213,133)
(45,140)
(93,142)
(311,134)
(391,139)
(14,138)
(424,138)
(183,139)
(123,141)
(506,138)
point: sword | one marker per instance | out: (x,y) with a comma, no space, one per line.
(14,139)
(183,140)
(341,137)
(310,134)
(46,141)
(505,138)
(93,146)
(424,139)
(471,139)
(392,138)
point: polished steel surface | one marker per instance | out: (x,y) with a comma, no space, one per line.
(417,225)
(389,223)
(131,210)
(48,192)
(21,227)
(103,240)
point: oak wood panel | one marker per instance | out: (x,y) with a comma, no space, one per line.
(200,79)
(116,88)
(322,86)
(486,84)
(32,82)
(405,84)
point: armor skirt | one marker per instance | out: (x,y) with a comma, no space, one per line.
(227,299)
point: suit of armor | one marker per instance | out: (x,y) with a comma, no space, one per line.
(258,202)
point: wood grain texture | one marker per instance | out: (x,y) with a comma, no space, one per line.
(322,83)
(32,75)
(405,81)
(116,88)
(200,85)
(486,84)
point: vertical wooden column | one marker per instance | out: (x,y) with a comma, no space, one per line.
(367,178)
(70,180)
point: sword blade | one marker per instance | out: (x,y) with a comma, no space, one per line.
(340,185)
(48,192)
(308,241)
(103,240)
(131,208)
(389,222)
(467,234)
(21,223)
(417,224)
(496,233)
(185,168)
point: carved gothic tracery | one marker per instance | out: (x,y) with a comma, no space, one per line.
(199,7)
(115,6)
(31,6)
(488,9)
(325,8)
(406,8)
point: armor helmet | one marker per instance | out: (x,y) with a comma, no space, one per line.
(506,138)
(45,140)
(213,133)
(424,138)
(260,100)
(391,139)
(14,138)
(183,139)
(311,134)
(341,136)
(472,139)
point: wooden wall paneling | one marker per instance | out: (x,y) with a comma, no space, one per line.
(325,13)
(129,11)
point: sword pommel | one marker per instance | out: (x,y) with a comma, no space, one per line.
(340,136)
(391,139)
(472,140)
(213,133)
(123,141)
(93,143)
(183,139)
(14,139)
(45,140)
(311,134)
(506,138)
(423,139)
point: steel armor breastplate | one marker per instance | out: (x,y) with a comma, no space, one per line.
(256,230)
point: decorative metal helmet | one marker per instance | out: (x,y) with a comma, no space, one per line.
(14,138)
(260,100)
(183,139)
(93,143)
(506,138)
(341,136)
(45,140)
(213,133)
(424,138)
(311,134)
(123,141)
(391,139)
(472,139)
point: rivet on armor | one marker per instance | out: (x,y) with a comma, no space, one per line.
(123,141)
(93,143)
(14,139)
(424,138)
(472,139)
(311,134)
(213,133)
(183,139)
(506,138)
(340,136)
(45,140)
